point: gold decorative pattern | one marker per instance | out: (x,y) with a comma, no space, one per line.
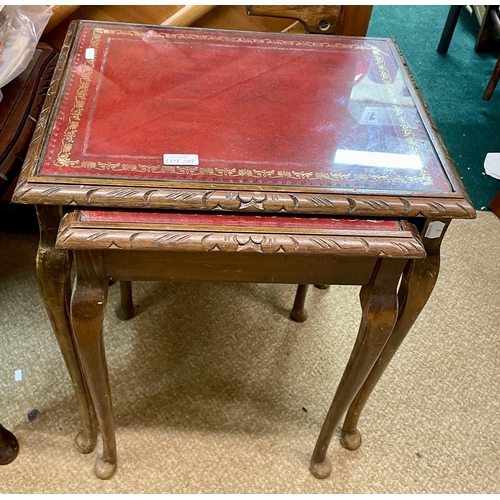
(64,159)
(408,133)
(34,188)
(286,41)
(238,173)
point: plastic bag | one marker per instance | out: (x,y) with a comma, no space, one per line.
(21,26)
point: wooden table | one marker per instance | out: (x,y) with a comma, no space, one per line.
(175,119)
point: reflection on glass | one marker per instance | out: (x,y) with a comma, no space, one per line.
(256,109)
(377,159)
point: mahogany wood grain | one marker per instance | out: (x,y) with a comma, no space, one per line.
(354,20)
(348,20)
(315,18)
(234,17)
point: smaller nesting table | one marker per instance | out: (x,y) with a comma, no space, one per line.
(161,246)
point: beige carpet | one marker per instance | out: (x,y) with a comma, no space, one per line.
(216,391)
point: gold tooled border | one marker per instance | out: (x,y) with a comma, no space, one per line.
(64,156)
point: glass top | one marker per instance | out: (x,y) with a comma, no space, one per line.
(174,105)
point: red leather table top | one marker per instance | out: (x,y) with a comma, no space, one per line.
(261,222)
(256,109)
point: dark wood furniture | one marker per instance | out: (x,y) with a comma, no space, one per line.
(19,110)
(322,19)
(488,39)
(201,246)
(495,205)
(9,447)
(230,123)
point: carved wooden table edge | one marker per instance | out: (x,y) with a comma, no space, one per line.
(74,191)
(75,234)
(90,245)
(136,197)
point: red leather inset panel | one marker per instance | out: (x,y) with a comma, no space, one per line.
(234,220)
(264,109)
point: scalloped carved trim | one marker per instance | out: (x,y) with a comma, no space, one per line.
(73,235)
(220,198)
(236,201)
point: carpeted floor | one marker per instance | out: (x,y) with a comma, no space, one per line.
(216,391)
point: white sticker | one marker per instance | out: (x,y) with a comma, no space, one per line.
(173,159)
(434,229)
(89,53)
(18,375)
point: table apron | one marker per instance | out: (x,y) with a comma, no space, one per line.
(243,267)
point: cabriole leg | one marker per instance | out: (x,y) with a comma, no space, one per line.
(87,314)
(53,275)
(379,305)
(416,287)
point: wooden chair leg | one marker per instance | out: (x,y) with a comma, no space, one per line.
(416,287)
(53,274)
(9,447)
(125,310)
(495,76)
(379,304)
(487,39)
(87,315)
(449,28)
(299,312)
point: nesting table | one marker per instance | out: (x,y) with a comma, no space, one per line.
(193,154)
